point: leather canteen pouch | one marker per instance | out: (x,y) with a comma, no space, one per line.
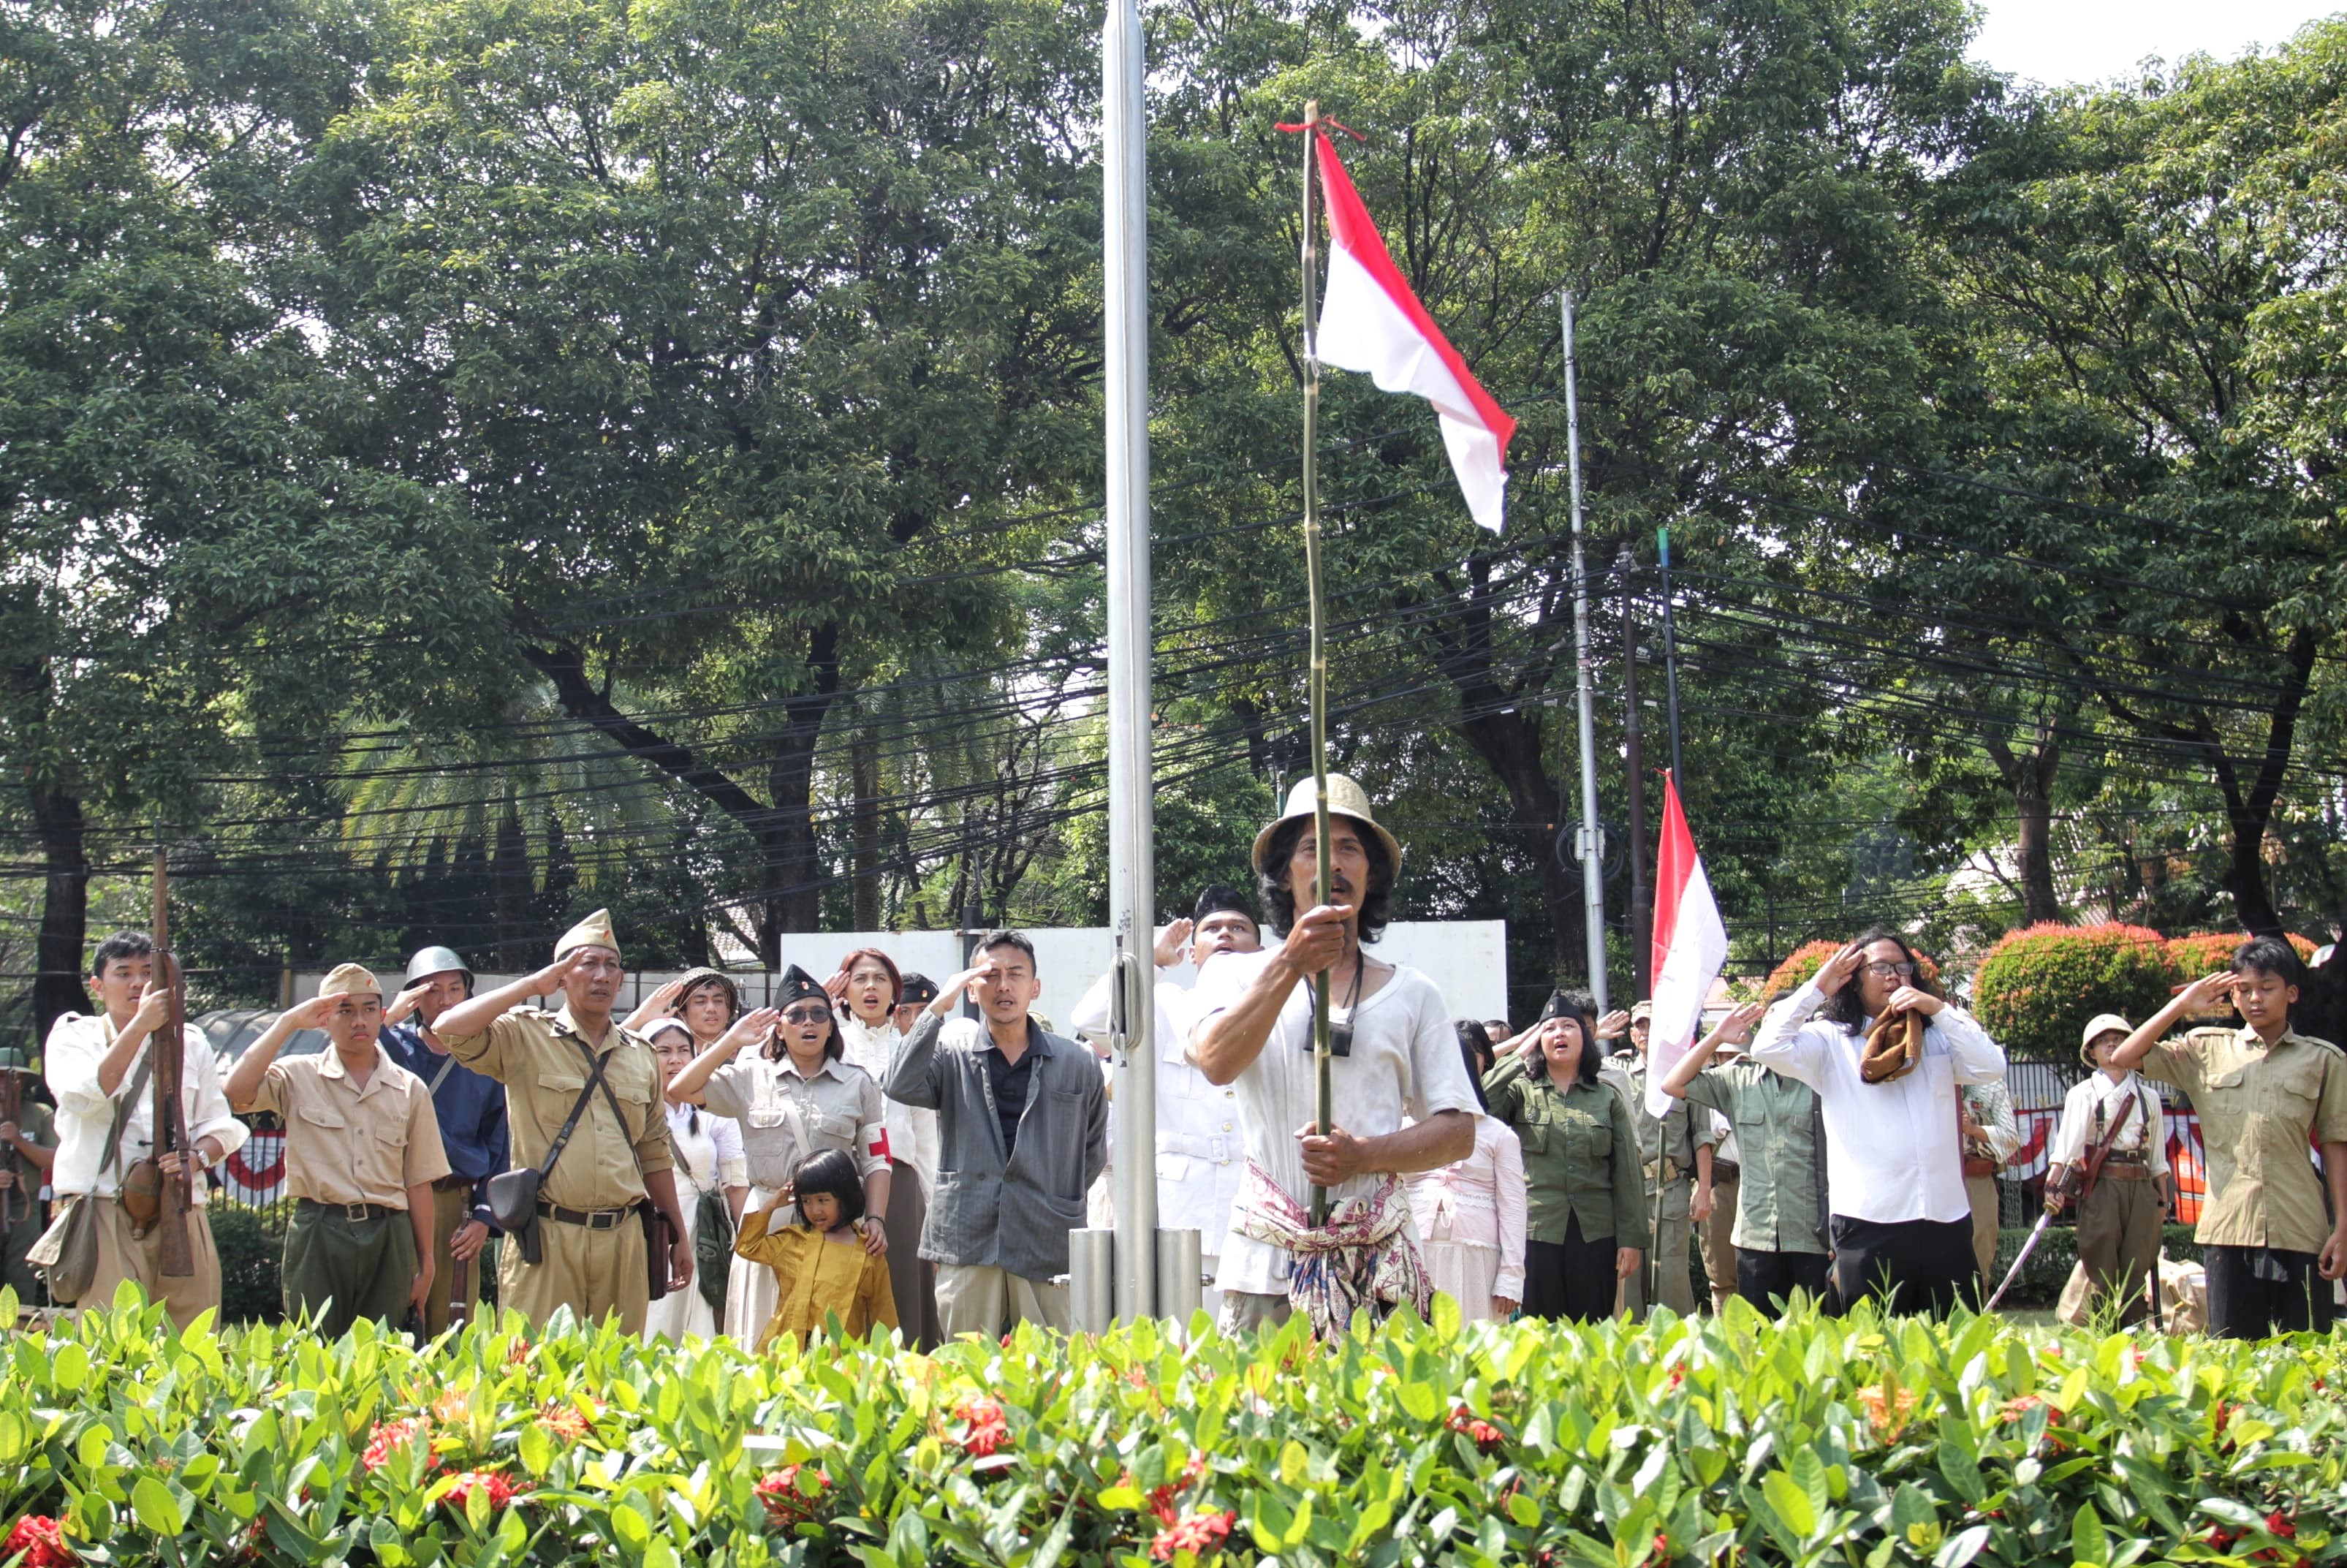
(141,1195)
(513,1205)
(1893,1046)
(65,1255)
(657,1242)
(1979,1166)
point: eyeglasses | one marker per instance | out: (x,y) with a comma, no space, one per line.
(807,1015)
(1902,971)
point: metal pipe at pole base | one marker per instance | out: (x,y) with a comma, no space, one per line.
(1181,1275)
(1091,1280)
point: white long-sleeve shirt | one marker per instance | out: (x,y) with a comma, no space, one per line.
(1892,1153)
(76,1044)
(912,1129)
(2145,1131)
(1484,1198)
(1200,1154)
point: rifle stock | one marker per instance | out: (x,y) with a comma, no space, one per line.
(169,1050)
(12,1110)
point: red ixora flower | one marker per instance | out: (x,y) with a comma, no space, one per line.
(1198,1535)
(499,1490)
(389,1437)
(988,1427)
(1486,1437)
(42,1542)
(1162,1499)
(787,1501)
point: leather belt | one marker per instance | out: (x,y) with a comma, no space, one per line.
(2132,1171)
(452,1182)
(1666,1171)
(358,1213)
(594,1219)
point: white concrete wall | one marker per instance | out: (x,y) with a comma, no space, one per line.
(1468,959)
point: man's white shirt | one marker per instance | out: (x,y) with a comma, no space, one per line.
(1199,1154)
(1892,1151)
(2146,1129)
(1405,1066)
(76,1044)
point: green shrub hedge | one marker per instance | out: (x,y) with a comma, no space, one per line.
(2039,985)
(1863,1443)
(1804,961)
(2048,1269)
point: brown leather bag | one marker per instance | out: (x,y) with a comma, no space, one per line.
(1893,1046)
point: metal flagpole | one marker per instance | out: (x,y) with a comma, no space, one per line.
(1671,659)
(1316,676)
(1132,896)
(1593,880)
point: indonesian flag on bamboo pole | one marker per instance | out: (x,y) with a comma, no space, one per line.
(1690,948)
(1371,321)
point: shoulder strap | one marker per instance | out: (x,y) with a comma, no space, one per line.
(611,1098)
(441,1075)
(578,1109)
(112,1156)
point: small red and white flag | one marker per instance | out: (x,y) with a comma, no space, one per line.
(1690,948)
(1370,321)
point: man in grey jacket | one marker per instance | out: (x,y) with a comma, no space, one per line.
(1022,1119)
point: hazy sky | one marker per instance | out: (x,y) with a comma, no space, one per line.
(2058,41)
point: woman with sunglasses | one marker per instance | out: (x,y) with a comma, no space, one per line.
(1903,1228)
(796,1097)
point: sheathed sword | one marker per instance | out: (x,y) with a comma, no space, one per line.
(2094,1168)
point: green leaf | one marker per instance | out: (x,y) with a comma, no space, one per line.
(1524,1510)
(1295,1463)
(2088,1544)
(629,1527)
(155,1509)
(1121,1497)
(1961,1547)
(70,1369)
(1790,1503)
(1421,1401)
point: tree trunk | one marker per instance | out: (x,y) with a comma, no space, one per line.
(509,873)
(863,825)
(795,873)
(1511,745)
(2029,777)
(64,908)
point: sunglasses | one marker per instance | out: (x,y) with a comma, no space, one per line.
(807,1015)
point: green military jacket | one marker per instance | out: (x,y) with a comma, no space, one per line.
(1580,1154)
(1783,1170)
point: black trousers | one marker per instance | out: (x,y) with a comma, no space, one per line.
(1767,1278)
(2256,1291)
(1908,1265)
(1571,1279)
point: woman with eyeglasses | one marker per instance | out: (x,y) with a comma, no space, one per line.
(708,1158)
(796,1097)
(1902,1225)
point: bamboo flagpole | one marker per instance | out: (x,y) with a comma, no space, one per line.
(1316,672)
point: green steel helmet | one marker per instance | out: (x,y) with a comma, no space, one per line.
(437,961)
(17,1058)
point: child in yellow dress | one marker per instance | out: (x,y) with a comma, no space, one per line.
(820,1263)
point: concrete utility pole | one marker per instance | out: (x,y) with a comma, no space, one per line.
(1593,875)
(1132,892)
(1642,897)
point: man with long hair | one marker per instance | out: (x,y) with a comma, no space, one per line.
(1395,1059)
(1894,1156)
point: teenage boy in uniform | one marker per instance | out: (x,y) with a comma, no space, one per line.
(362,1153)
(2264,1091)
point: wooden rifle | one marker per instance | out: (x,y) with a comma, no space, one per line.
(12,1110)
(168,1051)
(460,1300)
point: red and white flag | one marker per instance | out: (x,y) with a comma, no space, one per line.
(1690,948)
(1370,321)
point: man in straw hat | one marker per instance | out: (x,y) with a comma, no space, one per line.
(2116,1110)
(100,1069)
(472,1111)
(1901,1221)
(589,1225)
(362,1153)
(1674,1154)
(31,1139)
(1395,1057)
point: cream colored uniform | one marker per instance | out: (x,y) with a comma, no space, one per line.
(593,1263)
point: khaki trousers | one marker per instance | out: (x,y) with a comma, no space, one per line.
(451,1208)
(1981,1190)
(596,1274)
(1673,1286)
(125,1260)
(2118,1240)
(978,1298)
(1718,1251)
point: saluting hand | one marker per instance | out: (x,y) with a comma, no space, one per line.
(1171,942)
(311,1014)
(548,981)
(1614,1025)
(406,1002)
(1839,968)
(754,1028)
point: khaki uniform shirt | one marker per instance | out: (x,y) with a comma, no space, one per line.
(539,1057)
(1581,1154)
(1780,1188)
(786,1118)
(344,1144)
(2259,1104)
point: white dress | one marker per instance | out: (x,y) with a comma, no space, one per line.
(1472,1216)
(708,1155)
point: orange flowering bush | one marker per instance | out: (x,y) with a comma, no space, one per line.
(2039,985)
